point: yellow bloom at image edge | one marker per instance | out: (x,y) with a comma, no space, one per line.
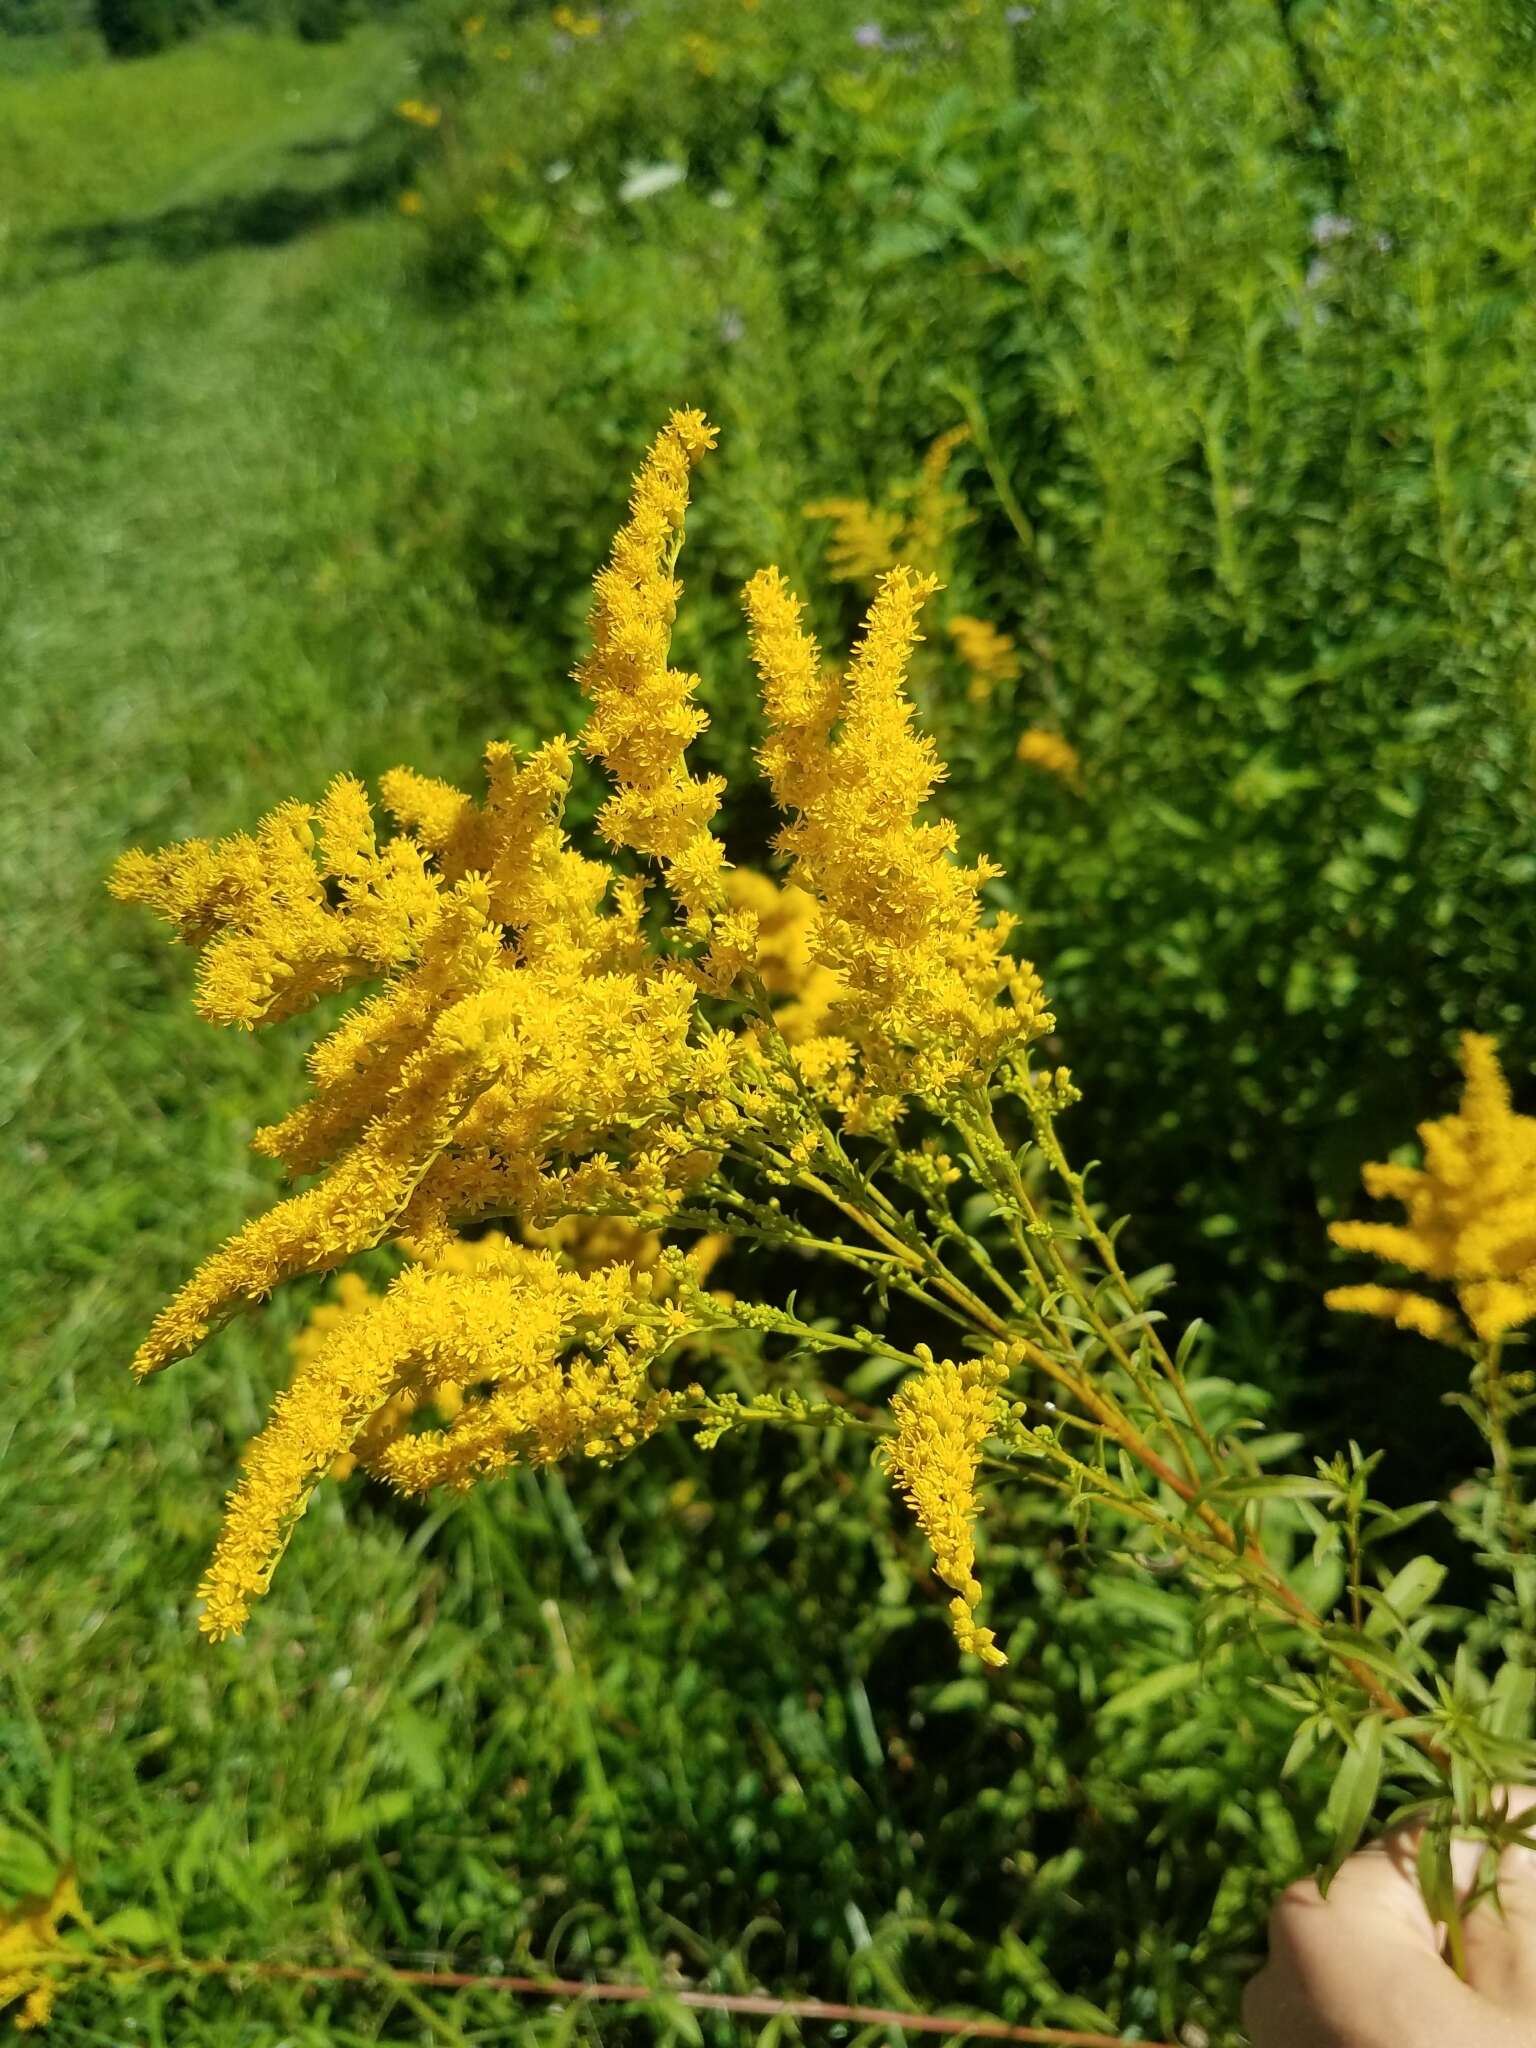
(28,1930)
(1471,1215)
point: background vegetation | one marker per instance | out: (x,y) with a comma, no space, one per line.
(316,419)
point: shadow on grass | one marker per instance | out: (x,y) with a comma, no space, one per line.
(266,218)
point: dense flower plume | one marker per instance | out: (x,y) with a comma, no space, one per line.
(944,1414)
(537,1050)
(1471,1215)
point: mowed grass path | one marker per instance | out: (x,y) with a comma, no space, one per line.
(216,373)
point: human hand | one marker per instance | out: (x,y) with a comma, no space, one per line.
(1365,1967)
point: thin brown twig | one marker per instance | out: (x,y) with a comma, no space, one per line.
(757,2002)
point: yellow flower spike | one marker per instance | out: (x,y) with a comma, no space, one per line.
(643,713)
(934,508)
(1471,1213)
(259,908)
(943,1415)
(1409,1311)
(898,919)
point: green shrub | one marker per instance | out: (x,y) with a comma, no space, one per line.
(137,28)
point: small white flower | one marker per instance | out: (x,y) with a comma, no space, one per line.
(646,180)
(1331,227)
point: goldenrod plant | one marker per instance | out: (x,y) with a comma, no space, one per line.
(848,1064)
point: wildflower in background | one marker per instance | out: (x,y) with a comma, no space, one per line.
(570,23)
(864,541)
(1331,227)
(410,203)
(474,25)
(991,656)
(1052,754)
(1471,1214)
(420,113)
(935,507)
(867,540)
(786,960)
(943,1416)
(644,181)
(30,1929)
(869,35)
(704,53)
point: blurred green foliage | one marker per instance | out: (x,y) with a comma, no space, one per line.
(1236,302)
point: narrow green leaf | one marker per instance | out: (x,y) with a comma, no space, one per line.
(1303,1742)
(1368,1651)
(1405,1593)
(132,1927)
(1354,1792)
(1511,1699)
(1436,1879)
(1379,1527)
(1146,1692)
(1270,1486)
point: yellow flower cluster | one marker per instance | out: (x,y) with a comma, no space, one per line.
(28,1931)
(943,1415)
(869,540)
(354,1295)
(420,113)
(524,1057)
(991,656)
(1048,751)
(547,1362)
(1471,1215)
(532,1049)
(584,1243)
(897,919)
